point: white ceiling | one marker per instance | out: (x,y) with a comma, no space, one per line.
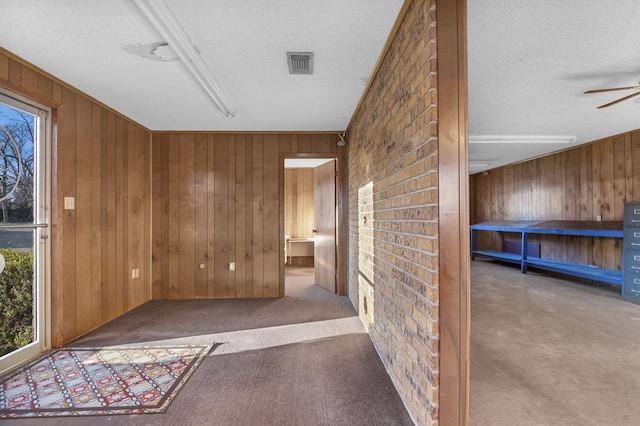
(529,63)
(244,43)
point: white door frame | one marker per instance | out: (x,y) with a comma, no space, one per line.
(42,246)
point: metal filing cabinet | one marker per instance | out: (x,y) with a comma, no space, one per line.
(631,253)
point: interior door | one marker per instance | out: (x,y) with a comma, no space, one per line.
(324,247)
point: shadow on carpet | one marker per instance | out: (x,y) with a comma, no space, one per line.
(100,381)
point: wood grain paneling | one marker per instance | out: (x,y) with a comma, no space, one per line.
(584,183)
(186,202)
(453,235)
(299,202)
(273,236)
(257,209)
(83,210)
(222,227)
(324,182)
(201,217)
(103,160)
(236,177)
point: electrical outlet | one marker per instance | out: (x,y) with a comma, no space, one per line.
(69,203)
(202,266)
(598,218)
(133,274)
(232,266)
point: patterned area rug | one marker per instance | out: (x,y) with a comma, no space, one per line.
(99,381)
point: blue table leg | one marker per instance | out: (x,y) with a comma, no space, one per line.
(523,264)
(473,244)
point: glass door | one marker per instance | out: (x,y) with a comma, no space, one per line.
(24,227)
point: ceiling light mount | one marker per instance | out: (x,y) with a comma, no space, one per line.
(159,15)
(342,141)
(158,51)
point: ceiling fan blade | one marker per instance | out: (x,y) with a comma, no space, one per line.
(612,89)
(619,100)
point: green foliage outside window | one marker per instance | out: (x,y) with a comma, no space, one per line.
(16,301)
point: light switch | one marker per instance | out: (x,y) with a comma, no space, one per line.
(232,266)
(69,203)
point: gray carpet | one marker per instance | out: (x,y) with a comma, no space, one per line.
(304,359)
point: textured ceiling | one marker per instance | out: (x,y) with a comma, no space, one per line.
(531,61)
(529,64)
(244,43)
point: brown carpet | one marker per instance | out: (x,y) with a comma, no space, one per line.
(304,359)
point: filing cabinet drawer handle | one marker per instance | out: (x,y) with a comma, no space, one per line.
(636,211)
(636,257)
(635,267)
(636,281)
(635,244)
(635,291)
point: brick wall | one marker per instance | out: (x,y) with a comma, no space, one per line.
(393,212)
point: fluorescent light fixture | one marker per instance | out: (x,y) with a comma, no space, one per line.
(159,15)
(562,139)
(478,164)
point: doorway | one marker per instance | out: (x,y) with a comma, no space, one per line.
(310,220)
(24,221)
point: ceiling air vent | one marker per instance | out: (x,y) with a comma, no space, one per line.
(300,62)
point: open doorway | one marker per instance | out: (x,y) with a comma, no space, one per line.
(309,223)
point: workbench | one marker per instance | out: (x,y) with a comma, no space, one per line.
(607,229)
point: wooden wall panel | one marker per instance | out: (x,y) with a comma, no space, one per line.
(221,228)
(173,217)
(231,200)
(64,265)
(249,255)
(257,209)
(144,219)
(120,216)
(103,160)
(240,205)
(98,291)
(156,217)
(84,245)
(584,183)
(237,212)
(110,190)
(201,218)
(299,202)
(185,197)
(211,214)
(273,237)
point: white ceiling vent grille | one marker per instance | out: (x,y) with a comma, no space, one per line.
(300,62)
